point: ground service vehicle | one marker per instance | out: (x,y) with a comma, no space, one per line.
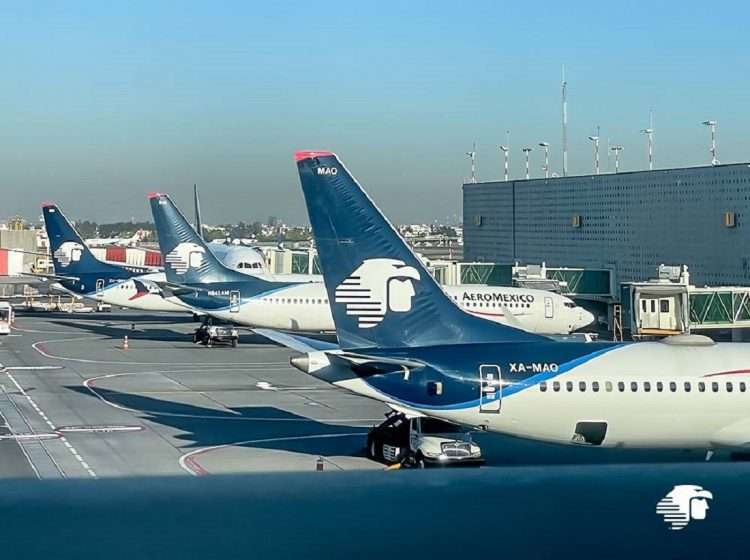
(421,441)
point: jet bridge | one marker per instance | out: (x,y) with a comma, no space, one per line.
(671,305)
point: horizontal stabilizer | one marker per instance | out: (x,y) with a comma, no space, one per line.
(56,277)
(365,365)
(295,341)
(172,289)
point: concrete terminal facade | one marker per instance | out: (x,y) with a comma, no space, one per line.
(629,223)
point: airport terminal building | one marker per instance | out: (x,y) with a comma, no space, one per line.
(628,223)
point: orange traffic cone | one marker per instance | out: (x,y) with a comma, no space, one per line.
(125,343)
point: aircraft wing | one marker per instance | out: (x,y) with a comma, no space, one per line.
(295,341)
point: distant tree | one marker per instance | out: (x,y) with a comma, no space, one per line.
(87,229)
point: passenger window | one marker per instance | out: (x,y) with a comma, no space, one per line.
(687,386)
(608,386)
(543,386)
(556,386)
(646,386)
(659,386)
(715,387)
(701,387)
(742,387)
(569,386)
(672,386)
(582,386)
(620,386)
(634,386)
(729,387)
(595,386)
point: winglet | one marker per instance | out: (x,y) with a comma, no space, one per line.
(309,154)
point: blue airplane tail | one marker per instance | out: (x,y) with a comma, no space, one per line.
(380,292)
(187,258)
(70,255)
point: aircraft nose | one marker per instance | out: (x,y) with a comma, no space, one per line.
(585,318)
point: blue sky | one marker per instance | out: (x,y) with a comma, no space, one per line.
(106,101)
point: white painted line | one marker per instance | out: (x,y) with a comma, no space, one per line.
(27,437)
(73,451)
(31,368)
(189,463)
(98,429)
(38,347)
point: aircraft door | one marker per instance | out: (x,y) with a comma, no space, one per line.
(549,308)
(234,301)
(490,388)
(99,288)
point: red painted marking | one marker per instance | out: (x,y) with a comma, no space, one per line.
(195,466)
(309,154)
(489,314)
(732,372)
(155,195)
(48,204)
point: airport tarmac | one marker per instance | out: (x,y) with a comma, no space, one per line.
(75,403)
(79,405)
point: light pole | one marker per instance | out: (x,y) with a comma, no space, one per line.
(617,150)
(505,150)
(545,145)
(595,140)
(650,133)
(472,155)
(712,126)
(527,151)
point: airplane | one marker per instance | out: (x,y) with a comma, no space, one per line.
(123,285)
(407,344)
(300,302)
(239,257)
(79,272)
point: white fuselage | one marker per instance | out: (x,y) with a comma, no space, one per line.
(648,395)
(304,307)
(126,293)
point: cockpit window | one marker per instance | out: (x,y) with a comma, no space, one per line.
(569,304)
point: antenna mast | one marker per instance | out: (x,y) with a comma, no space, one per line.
(564,123)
